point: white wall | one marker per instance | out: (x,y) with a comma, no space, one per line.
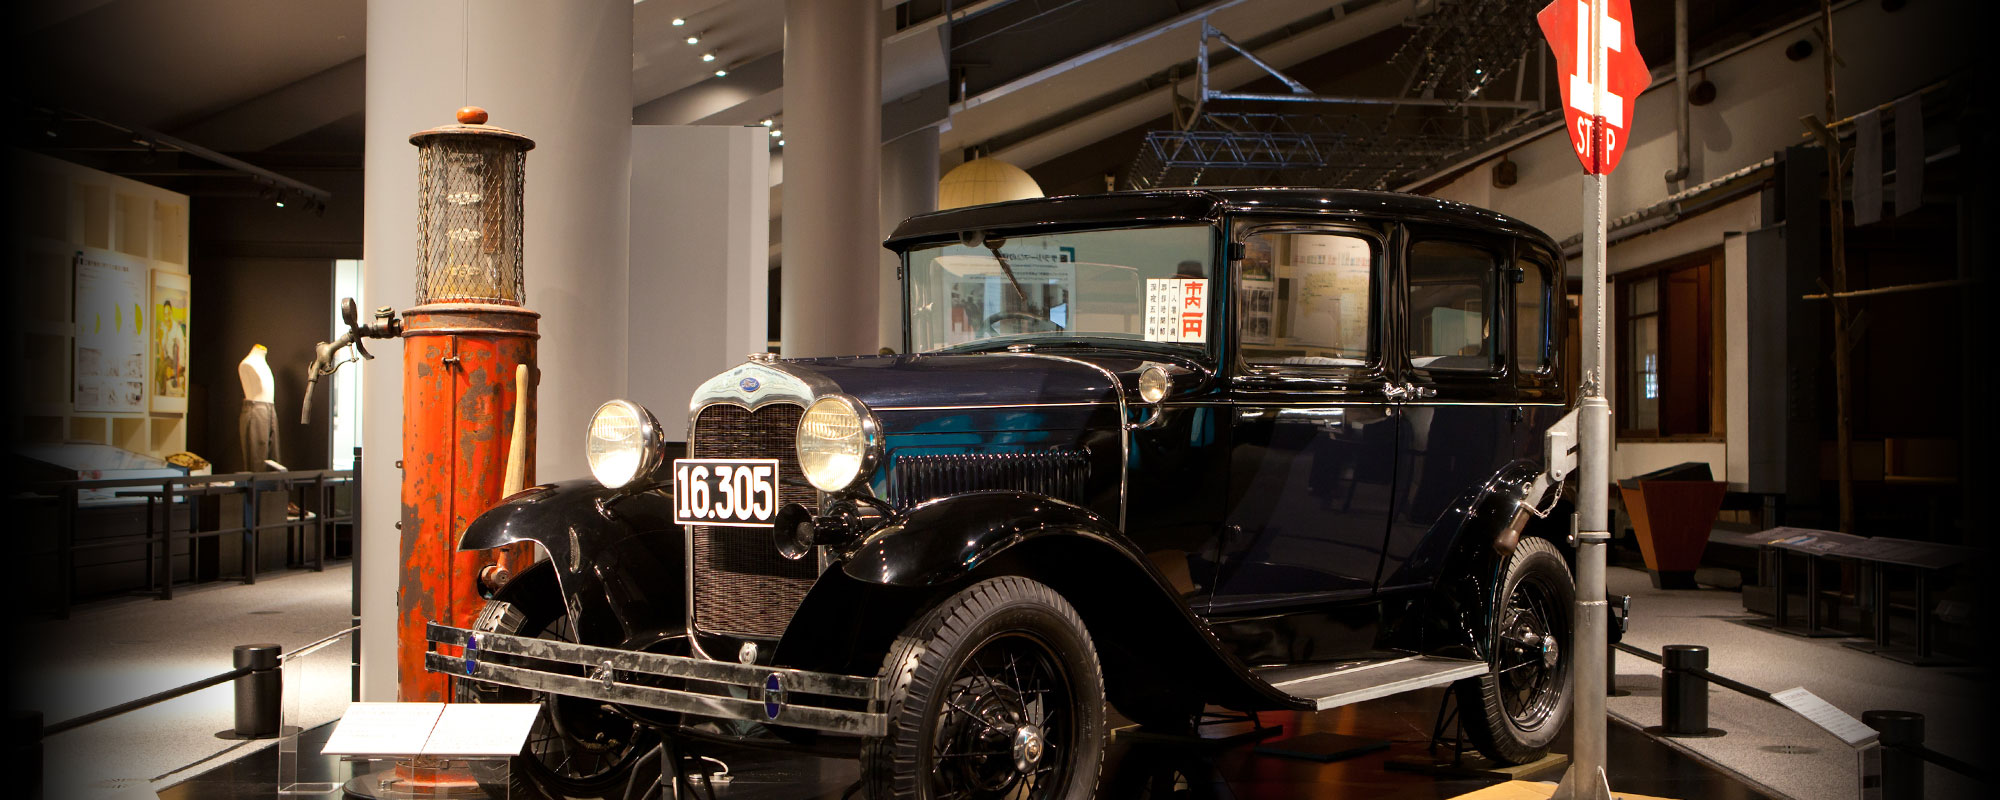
(1728,460)
(700,259)
(560,73)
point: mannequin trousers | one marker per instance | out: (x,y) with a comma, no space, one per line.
(258,427)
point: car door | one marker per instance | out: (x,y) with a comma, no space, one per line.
(1313,441)
(1459,407)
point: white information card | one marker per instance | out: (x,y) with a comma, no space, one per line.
(432,729)
(1822,713)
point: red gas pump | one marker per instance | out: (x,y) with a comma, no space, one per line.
(463,344)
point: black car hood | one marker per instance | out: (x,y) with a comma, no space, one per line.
(971,379)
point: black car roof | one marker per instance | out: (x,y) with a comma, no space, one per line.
(1169,206)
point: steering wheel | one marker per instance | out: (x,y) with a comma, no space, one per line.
(1026,322)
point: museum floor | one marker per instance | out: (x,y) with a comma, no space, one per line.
(140,646)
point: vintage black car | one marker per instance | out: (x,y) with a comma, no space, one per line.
(1251,448)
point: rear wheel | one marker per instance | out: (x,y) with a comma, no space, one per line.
(1513,712)
(577,748)
(996,693)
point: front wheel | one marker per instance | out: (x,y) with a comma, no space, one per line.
(996,693)
(577,748)
(1513,712)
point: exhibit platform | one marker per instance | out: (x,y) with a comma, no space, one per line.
(1136,767)
(1779,751)
(142,645)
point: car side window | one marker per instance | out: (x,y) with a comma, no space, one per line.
(1307,299)
(1534,320)
(1451,303)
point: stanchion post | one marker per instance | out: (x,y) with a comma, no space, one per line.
(1902,770)
(1683,690)
(259,695)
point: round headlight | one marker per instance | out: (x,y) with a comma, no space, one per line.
(836,442)
(1153,384)
(623,444)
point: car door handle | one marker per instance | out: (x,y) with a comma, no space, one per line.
(1416,392)
(1391,391)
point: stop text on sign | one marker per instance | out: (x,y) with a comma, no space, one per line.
(1598,109)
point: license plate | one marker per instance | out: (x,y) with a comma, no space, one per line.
(738,492)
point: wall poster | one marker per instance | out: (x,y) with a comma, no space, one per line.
(110,318)
(168,330)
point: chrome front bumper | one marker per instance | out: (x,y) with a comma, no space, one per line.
(722,690)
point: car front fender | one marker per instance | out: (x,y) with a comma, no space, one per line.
(618,558)
(1137,620)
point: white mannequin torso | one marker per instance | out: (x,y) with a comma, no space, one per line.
(256,375)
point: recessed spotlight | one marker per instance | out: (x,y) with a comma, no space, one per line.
(781,143)
(694,39)
(721,73)
(765,123)
(679,22)
(708,56)
(281,204)
(775,133)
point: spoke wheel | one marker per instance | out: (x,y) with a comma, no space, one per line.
(997,693)
(577,748)
(1513,712)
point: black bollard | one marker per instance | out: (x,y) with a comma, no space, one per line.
(1902,770)
(260,693)
(1684,692)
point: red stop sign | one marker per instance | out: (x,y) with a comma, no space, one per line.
(1599,134)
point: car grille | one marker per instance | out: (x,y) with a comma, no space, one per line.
(741,585)
(1057,473)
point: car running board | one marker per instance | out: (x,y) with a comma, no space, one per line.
(1334,685)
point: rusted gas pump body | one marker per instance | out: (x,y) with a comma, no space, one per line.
(462,345)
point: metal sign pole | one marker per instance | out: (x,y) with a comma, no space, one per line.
(1585,779)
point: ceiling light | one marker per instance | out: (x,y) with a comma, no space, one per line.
(694,38)
(765,123)
(720,73)
(775,133)
(679,22)
(281,204)
(781,143)
(708,56)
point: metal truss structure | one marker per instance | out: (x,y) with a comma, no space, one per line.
(1452,58)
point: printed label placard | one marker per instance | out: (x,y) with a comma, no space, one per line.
(1177,310)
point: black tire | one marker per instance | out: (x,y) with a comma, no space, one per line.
(565,756)
(1513,713)
(974,684)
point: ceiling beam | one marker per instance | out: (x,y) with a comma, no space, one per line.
(285,113)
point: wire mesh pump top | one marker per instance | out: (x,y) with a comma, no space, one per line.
(469,212)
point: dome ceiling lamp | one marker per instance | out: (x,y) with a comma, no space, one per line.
(985,180)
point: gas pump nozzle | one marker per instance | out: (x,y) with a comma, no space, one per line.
(326,355)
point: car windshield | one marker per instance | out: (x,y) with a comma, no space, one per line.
(1140,284)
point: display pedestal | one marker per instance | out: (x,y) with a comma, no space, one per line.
(456,751)
(429,777)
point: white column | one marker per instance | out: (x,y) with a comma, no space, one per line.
(909,187)
(833,154)
(560,73)
(699,294)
